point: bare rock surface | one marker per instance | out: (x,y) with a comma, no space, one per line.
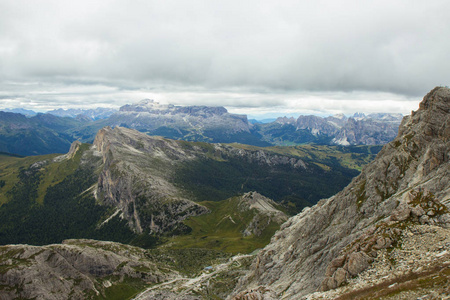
(75,269)
(417,268)
(408,184)
(136,178)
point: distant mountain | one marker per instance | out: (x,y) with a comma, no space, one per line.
(40,134)
(190,123)
(25,112)
(93,114)
(262,121)
(360,129)
(198,123)
(58,128)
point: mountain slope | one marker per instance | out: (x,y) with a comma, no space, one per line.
(240,224)
(37,135)
(83,269)
(89,269)
(407,185)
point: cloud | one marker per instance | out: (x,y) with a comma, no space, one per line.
(240,53)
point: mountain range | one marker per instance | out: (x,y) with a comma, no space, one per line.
(190,123)
(373,129)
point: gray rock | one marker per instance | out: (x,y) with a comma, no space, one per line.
(73,270)
(357,262)
(417,211)
(340,276)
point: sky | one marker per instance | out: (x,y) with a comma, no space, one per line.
(260,58)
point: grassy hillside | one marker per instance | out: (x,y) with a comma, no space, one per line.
(222,229)
(329,169)
(352,157)
(41,134)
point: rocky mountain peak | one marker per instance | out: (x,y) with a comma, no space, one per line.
(146,105)
(432,118)
(339,116)
(358,115)
(438,98)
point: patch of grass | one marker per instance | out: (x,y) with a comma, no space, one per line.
(189,261)
(222,229)
(123,289)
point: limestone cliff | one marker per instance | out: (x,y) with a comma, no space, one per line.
(407,185)
(359,129)
(135,180)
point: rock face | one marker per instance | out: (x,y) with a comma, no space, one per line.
(324,246)
(135,180)
(76,269)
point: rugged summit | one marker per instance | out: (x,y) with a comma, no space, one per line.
(407,185)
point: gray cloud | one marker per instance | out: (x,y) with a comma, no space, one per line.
(240,53)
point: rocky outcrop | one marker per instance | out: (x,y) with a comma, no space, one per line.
(417,268)
(324,246)
(76,269)
(266,212)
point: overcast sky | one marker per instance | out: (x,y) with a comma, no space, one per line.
(253,57)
